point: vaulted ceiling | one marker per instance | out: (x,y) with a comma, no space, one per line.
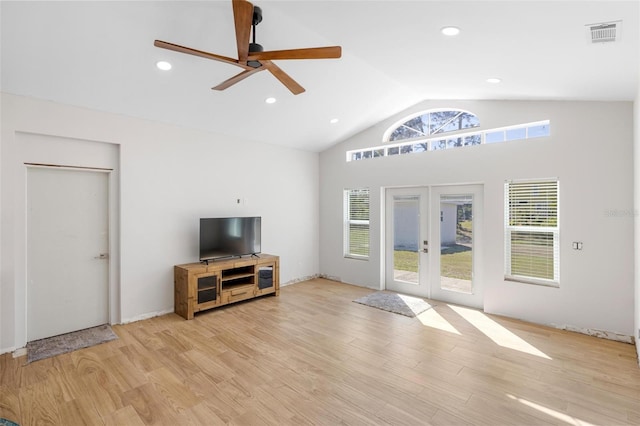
(100,55)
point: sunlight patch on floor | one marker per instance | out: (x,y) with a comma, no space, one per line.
(494,331)
(431,318)
(551,412)
(415,304)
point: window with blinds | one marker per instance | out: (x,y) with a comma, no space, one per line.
(356,223)
(532,232)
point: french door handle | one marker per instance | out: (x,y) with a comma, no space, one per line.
(426,250)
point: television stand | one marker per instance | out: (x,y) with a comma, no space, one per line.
(198,286)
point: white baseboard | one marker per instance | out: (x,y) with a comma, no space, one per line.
(20,352)
(609,335)
(7,350)
(299,280)
(147,316)
(340,280)
(330,277)
(15,352)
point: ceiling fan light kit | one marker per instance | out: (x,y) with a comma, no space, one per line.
(251,56)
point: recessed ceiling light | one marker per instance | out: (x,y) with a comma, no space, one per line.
(163,65)
(450,31)
(270,100)
(493,80)
(334,121)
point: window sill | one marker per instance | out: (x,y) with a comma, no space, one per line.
(523,280)
(356,257)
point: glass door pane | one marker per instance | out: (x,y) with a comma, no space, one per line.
(406,240)
(456,243)
(406,235)
(456,224)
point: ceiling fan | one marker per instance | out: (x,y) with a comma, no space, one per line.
(251,56)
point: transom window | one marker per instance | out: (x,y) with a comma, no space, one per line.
(538,129)
(432,123)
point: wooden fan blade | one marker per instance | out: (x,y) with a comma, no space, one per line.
(243,18)
(237,78)
(200,53)
(284,78)
(311,53)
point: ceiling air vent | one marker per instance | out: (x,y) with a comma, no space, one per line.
(604,32)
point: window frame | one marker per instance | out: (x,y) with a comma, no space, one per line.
(348,222)
(531,229)
(386,138)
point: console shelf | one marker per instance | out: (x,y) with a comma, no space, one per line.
(237,277)
(200,286)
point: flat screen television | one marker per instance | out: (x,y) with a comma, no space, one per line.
(229,236)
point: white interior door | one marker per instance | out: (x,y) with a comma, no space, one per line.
(407,241)
(67,250)
(456,231)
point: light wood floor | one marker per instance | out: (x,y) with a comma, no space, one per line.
(312,356)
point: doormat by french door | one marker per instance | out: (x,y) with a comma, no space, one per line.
(393,302)
(69,342)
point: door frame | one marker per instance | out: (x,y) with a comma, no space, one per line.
(59,151)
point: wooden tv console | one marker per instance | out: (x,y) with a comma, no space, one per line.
(200,286)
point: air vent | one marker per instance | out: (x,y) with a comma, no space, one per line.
(604,32)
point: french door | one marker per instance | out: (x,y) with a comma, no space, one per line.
(433,235)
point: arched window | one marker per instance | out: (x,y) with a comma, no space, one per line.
(439,129)
(428,123)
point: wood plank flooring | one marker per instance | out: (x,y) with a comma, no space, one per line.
(313,357)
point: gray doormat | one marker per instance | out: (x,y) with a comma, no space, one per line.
(69,342)
(397,303)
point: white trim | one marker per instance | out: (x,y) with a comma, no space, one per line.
(147,316)
(61,167)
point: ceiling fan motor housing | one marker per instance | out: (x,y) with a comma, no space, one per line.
(254,48)
(257,15)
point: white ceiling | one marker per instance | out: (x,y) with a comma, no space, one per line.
(100,55)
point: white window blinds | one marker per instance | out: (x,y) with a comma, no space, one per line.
(531,232)
(356,223)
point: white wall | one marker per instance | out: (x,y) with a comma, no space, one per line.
(169,178)
(636,180)
(448,223)
(590,151)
